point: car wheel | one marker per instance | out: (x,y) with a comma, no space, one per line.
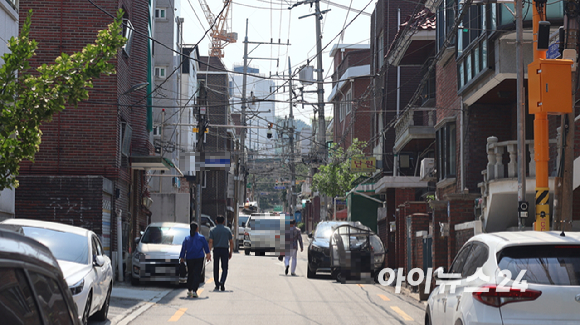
(247,251)
(102,314)
(134,281)
(427,317)
(309,273)
(87,311)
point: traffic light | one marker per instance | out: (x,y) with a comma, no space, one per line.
(269,134)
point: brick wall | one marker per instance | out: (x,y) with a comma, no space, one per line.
(460,210)
(440,248)
(461,237)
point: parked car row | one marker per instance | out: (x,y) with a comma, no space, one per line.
(69,276)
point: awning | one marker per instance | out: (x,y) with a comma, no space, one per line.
(151,163)
(342,214)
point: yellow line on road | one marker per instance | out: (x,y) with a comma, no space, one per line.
(177,315)
(210,280)
(199,291)
(401,313)
(385,298)
(360,285)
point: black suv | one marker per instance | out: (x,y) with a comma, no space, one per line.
(318,251)
(32,288)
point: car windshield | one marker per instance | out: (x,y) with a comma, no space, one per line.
(242,220)
(543,264)
(63,245)
(324,230)
(165,235)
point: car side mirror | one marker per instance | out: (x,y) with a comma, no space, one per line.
(437,274)
(137,239)
(310,235)
(99,260)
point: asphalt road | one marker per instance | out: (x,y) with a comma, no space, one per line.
(258,292)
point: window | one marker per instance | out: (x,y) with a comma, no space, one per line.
(477,257)
(160,13)
(128,34)
(544,264)
(348,103)
(459,261)
(445,20)
(16,300)
(160,72)
(50,299)
(13,4)
(381,51)
(446,151)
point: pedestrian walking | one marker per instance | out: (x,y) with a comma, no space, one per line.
(221,239)
(293,237)
(193,250)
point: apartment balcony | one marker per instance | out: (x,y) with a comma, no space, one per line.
(415,129)
(499,189)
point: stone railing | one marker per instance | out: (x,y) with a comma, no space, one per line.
(414,117)
(496,169)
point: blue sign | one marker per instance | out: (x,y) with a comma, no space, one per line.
(279,187)
(553,51)
(298,216)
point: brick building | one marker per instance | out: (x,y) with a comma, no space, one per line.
(87,171)
(216,200)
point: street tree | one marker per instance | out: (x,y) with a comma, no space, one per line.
(30,96)
(335,178)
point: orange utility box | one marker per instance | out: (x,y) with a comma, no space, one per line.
(550,86)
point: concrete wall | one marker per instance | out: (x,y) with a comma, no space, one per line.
(171,207)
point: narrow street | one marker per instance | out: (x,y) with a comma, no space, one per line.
(258,292)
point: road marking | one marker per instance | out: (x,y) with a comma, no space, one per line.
(177,315)
(210,280)
(199,291)
(360,285)
(385,298)
(401,313)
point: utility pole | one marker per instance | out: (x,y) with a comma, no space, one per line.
(521,119)
(291,136)
(550,84)
(202,125)
(564,218)
(319,76)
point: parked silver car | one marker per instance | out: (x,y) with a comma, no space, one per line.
(156,257)
(87,271)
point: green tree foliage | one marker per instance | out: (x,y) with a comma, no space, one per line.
(29,96)
(335,178)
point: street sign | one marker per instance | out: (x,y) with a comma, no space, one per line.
(279,187)
(249,185)
(363,165)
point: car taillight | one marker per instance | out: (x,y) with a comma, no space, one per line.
(506,295)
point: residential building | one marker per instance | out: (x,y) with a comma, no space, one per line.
(9,16)
(175,80)
(351,95)
(218,141)
(90,169)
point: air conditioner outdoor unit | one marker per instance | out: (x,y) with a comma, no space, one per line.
(427,169)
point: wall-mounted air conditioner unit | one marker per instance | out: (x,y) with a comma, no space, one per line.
(427,169)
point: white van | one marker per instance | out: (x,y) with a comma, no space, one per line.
(265,232)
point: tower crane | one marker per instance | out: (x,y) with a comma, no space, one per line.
(220,35)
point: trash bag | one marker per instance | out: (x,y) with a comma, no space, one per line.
(182,270)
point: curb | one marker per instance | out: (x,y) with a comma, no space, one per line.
(130,315)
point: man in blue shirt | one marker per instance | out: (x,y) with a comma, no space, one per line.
(193,250)
(220,237)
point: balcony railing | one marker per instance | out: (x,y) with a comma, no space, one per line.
(414,117)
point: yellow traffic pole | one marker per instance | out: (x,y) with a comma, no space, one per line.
(541,141)
(549,92)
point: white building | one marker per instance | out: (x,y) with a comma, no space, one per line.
(8,29)
(175,85)
(260,110)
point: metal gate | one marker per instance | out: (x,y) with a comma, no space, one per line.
(427,253)
(409,244)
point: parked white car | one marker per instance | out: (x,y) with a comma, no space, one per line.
(547,292)
(86,270)
(156,257)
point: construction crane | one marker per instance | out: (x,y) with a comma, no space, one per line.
(220,36)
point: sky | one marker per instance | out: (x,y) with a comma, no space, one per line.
(271,19)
